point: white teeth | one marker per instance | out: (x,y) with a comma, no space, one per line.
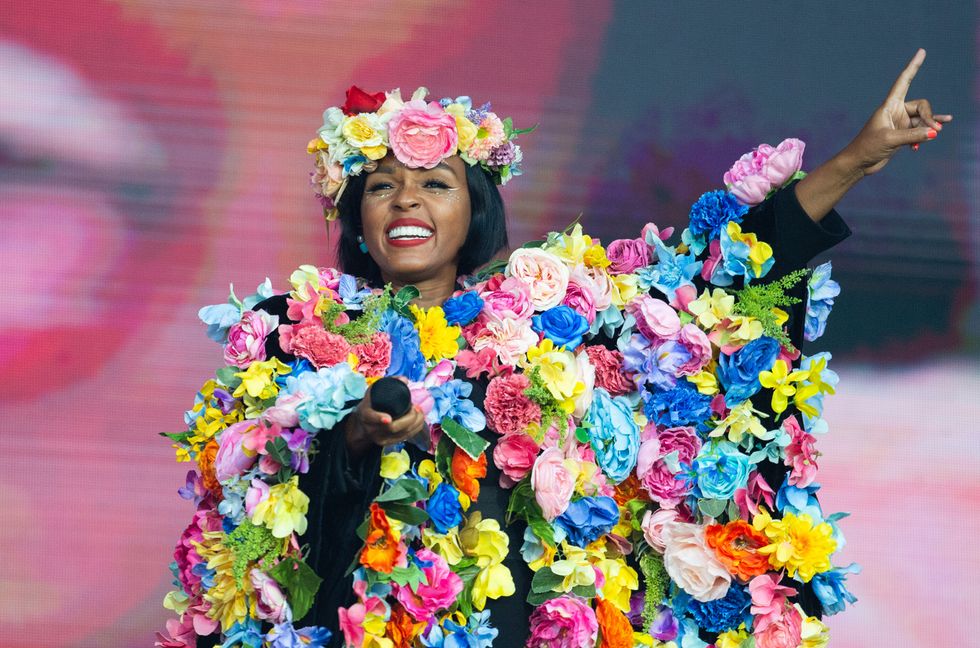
(409,232)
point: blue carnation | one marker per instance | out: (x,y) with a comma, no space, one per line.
(326,395)
(562,325)
(614,435)
(713,211)
(739,372)
(463,309)
(452,399)
(587,519)
(821,291)
(723,614)
(830,588)
(682,405)
(721,470)
(444,509)
(406,356)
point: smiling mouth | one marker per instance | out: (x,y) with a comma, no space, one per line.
(406,230)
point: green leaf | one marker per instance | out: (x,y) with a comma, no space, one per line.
(733,512)
(465,439)
(585,591)
(226,376)
(444,458)
(545,580)
(523,505)
(494,267)
(403,297)
(406,513)
(712,508)
(411,576)
(179,437)
(404,491)
(582,434)
(521,131)
(300,581)
(532,244)
(278,450)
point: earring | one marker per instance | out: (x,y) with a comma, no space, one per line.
(361,244)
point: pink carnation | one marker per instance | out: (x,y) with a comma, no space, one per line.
(609,373)
(310,340)
(563,622)
(422,135)
(514,455)
(438,592)
(801,454)
(627,255)
(552,482)
(246,339)
(655,319)
(692,564)
(185,553)
(374,356)
(508,410)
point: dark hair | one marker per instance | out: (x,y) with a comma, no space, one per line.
(486,236)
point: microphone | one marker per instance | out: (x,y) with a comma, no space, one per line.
(391,396)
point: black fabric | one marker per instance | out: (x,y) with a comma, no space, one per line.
(341,488)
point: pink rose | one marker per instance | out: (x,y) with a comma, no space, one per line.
(627,255)
(743,168)
(609,373)
(180,634)
(270,602)
(422,135)
(553,483)
(598,281)
(233,458)
(580,298)
(655,319)
(653,525)
(784,161)
(257,493)
(283,413)
(563,622)
(692,564)
(310,340)
(374,356)
(514,456)
(697,344)
(654,473)
(506,299)
(785,632)
(544,275)
(752,190)
(246,339)
(438,592)
(508,410)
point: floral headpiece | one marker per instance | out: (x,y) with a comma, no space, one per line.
(421,135)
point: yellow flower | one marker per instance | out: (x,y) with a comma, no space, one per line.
(428,471)
(575,568)
(781,316)
(711,308)
(815,633)
(741,420)
(229,603)
(646,641)
(759,251)
(465,129)
(394,464)
(483,540)
(624,289)
(176,600)
(570,247)
(494,581)
(798,545)
(595,257)
(733,638)
(781,380)
(316,144)
(301,279)
(438,339)
(445,544)
(621,581)
(284,510)
(558,370)
(364,131)
(547,558)
(259,380)
(705,381)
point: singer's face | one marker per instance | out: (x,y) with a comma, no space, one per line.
(415,221)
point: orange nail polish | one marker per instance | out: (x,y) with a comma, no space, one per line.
(386,420)
(932,133)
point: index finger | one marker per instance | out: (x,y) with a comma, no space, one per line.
(904,80)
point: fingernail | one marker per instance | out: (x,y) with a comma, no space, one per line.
(386,420)
(932,133)
(939,126)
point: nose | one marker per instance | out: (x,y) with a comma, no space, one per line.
(407,197)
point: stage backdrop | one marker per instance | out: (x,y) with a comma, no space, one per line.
(151,153)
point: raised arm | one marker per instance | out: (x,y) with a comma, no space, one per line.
(895,124)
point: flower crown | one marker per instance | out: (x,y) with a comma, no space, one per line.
(420,135)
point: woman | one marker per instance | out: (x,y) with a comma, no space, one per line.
(422,215)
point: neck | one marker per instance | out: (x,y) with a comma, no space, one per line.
(433,291)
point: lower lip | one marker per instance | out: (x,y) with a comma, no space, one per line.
(409,242)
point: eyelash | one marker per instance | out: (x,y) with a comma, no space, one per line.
(384,186)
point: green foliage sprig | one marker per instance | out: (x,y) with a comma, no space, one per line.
(758,301)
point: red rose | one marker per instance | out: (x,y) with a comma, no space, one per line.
(359,101)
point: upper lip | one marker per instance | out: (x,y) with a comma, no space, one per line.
(408,222)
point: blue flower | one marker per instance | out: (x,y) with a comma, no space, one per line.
(614,435)
(830,588)
(463,309)
(721,470)
(353,164)
(452,399)
(821,291)
(220,318)
(283,635)
(682,405)
(723,614)
(298,366)
(735,262)
(739,372)
(671,270)
(477,633)
(562,325)
(799,501)
(327,395)
(655,365)
(443,508)
(350,294)
(247,633)
(713,211)
(406,356)
(588,518)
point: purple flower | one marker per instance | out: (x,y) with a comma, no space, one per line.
(655,365)
(298,441)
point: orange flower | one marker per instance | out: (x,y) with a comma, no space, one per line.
(613,625)
(737,545)
(382,550)
(628,489)
(205,463)
(468,473)
(402,629)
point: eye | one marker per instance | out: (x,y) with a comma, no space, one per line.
(436,184)
(378,187)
